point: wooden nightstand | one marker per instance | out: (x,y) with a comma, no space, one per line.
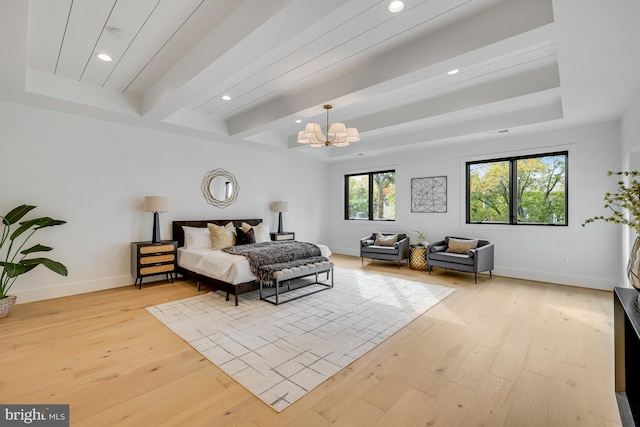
(285,235)
(150,259)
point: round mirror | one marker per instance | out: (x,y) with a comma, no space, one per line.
(220,188)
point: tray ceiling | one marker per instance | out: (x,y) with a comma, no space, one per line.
(523,65)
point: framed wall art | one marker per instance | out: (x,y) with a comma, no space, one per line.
(429,195)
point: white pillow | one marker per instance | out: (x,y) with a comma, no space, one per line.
(196,237)
(260,231)
(266,236)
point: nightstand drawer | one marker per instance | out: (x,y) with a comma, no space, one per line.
(156,258)
(157,269)
(152,249)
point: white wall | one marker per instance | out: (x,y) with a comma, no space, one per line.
(530,252)
(94,175)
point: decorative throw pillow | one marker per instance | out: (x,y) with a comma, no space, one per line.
(459,246)
(386,240)
(196,237)
(260,231)
(222,236)
(243,238)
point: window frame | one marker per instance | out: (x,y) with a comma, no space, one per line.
(513,194)
(369,195)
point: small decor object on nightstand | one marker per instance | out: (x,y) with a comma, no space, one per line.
(151,259)
(156,204)
(285,235)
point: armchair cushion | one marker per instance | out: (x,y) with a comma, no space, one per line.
(388,240)
(366,242)
(452,257)
(375,249)
(459,246)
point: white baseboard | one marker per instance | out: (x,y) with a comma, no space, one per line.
(66,289)
(602,283)
(345,251)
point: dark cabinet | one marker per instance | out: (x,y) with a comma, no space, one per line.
(626,316)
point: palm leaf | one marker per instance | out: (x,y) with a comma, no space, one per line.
(52,265)
(36,248)
(16,214)
(14,270)
(26,225)
(50,223)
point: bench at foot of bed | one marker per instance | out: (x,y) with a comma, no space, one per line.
(286,275)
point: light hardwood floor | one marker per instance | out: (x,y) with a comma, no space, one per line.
(503,352)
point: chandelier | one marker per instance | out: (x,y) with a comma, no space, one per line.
(338,134)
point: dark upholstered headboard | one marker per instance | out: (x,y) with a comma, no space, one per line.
(178,232)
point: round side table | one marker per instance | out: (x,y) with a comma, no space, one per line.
(418,258)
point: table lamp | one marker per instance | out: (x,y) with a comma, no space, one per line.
(156,204)
(280,207)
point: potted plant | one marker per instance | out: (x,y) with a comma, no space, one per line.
(422,238)
(626,199)
(15,257)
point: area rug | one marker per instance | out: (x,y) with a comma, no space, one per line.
(280,353)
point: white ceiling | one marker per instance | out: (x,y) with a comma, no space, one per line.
(524,65)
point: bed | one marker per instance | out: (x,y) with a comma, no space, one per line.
(216,268)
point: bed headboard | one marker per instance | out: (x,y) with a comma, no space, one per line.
(178,232)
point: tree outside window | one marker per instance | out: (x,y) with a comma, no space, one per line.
(518,190)
(371,196)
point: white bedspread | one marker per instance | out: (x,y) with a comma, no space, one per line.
(221,265)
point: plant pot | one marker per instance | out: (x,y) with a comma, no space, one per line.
(6,304)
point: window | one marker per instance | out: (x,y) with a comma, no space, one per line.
(370,196)
(528,190)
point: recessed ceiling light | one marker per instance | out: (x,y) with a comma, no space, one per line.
(452,72)
(396,6)
(298,121)
(104,57)
(226,97)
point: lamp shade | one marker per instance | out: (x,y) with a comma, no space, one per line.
(280,206)
(156,204)
(302,139)
(353,135)
(313,130)
(338,130)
